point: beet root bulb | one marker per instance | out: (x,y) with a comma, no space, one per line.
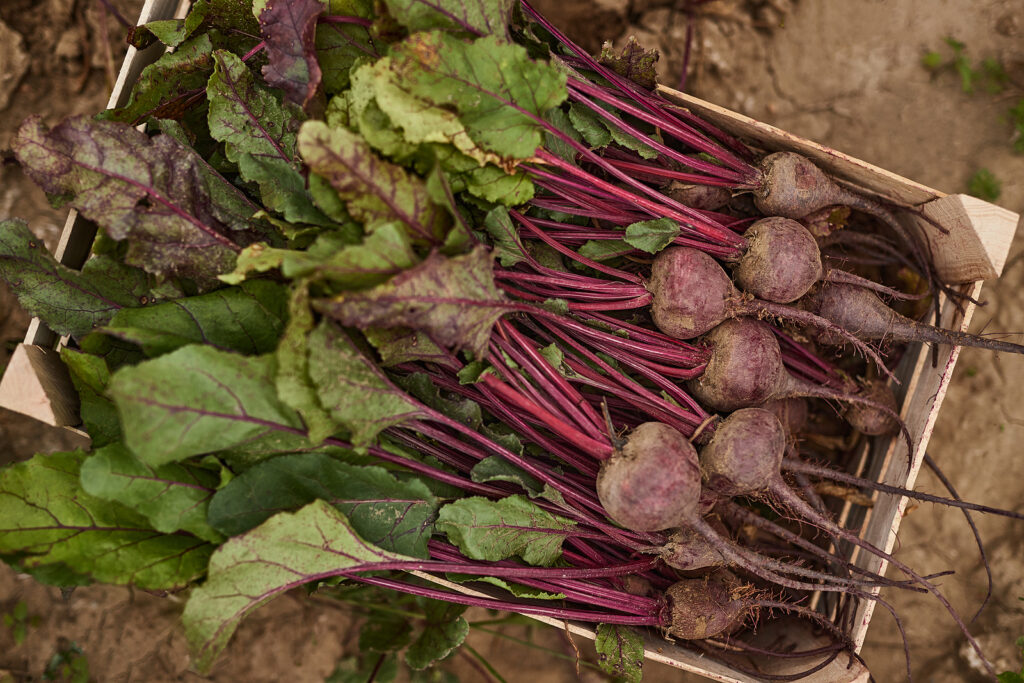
(745,454)
(708,606)
(653,482)
(782,261)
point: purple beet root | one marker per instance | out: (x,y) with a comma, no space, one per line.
(792,187)
(704,197)
(653,482)
(781,263)
(687,550)
(862,313)
(745,453)
(870,419)
(745,368)
(708,606)
(792,412)
(691,291)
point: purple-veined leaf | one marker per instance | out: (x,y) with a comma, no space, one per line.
(258,132)
(68,301)
(500,94)
(495,530)
(295,388)
(149,191)
(390,513)
(247,319)
(633,62)
(198,400)
(478,17)
(339,45)
(168,86)
(286,551)
(173,497)
(353,389)
(453,300)
(289,29)
(444,630)
(375,191)
(47,518)
(620,652)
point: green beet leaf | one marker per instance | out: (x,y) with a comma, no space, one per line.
(395,515)
(508,248)
(497,530)
(198,400)
(444,631)
(382,254)
(620,652)
(385,632)
(652,236)
(248,319)
(339,46)
(68,301)
(497,468)
(419,121)
(398,345)
(286,551)
(633,62)
(516,589)
(288,28)
(90,375)
(169,85)
(602,250)
(498,91)
(294,386)
(47,518)
(375,191)
(148,190)
(453,300)
(172,497)
(258,132)
(484,17)
(353,389)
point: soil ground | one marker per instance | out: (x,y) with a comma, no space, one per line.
(848,75)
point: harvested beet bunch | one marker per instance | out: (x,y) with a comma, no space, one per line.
(391,296)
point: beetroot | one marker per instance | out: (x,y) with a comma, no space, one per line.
(708,606)
(687,550)
(653,482)
(874,418)
(744,453)
(781,262)
(792,412)
(863,314)
(705,197)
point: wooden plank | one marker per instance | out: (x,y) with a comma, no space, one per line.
(922,398)
(37,384)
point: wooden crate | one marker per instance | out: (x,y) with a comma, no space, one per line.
(975,249)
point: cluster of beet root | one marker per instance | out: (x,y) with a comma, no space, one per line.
(673,402)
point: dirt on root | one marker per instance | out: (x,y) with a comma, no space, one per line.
(848,75)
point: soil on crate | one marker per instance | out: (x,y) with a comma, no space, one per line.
(845,74)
